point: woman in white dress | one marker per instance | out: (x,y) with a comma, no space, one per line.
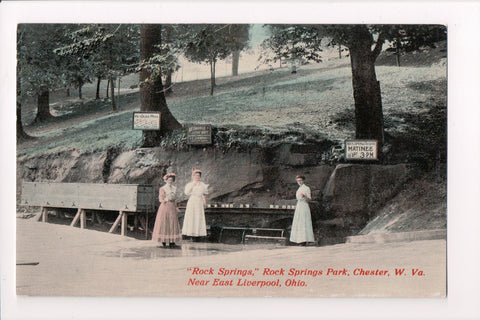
(167,228)
(302,230)
(194,221)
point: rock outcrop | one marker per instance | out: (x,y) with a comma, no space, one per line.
(345,197)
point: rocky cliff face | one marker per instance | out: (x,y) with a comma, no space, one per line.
(346,196)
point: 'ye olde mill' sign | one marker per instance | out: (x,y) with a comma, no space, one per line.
(199,134)
(361,150)
(146,120)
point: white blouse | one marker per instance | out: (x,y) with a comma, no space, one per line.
(196,189)
(303,193)
(170,192)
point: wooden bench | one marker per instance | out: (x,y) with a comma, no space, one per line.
(125,198)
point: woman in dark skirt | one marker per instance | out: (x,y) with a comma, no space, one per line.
(167,228)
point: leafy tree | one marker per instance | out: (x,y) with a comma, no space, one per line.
(168,54)
(240,34)
(208,43)
(152,93)
(295,44)
(365,43)
(100,51)
(408,38)
(38,68)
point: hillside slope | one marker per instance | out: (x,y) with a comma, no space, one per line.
(314,105)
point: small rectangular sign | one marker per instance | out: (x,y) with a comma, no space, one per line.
(146,120)
(361,150)
(199,134)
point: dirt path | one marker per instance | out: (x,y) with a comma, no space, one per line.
(75,262)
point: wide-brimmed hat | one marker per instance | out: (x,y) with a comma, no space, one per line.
(168,175)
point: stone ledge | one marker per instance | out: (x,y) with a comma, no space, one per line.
(399,236)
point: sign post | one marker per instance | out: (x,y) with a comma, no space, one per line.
(146,120)
(361,150)
(199,134)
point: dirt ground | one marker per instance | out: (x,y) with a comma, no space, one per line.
(78,262)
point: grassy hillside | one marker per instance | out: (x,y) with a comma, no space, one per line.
(317,101)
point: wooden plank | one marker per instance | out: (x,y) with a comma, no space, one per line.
(44,214)
(27,263)
(115,224)
(83,219)
(108,196)
(50,194)
(117,197)
(142,222)
(75,219)
(146,226)
(124,224)
(40,216)
(135,221)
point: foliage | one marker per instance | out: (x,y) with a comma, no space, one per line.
(165,58)
(211,42)
(296,44)
(100,51)
(175,140)
(409,38)
(208,43)
(38,67)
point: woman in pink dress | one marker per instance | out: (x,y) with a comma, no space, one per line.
(167,228)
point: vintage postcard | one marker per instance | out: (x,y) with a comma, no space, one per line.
(231,158)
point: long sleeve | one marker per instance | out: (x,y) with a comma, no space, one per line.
(205,189)
(162,195)
(307,192)
(189,188)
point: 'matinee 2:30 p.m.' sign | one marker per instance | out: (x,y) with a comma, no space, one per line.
(361,149)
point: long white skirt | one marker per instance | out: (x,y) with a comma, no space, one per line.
(194,221)
(302,230)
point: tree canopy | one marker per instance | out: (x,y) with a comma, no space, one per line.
(208,43)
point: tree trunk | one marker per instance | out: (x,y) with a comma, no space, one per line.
(118,86)
(21,134)
(168,82)
(43,106)
(397,51)
(97,94)
(68,91)
(108,88)
(235,61)
(212,76)
(366,92)
(152,95)
(340,51)
(112,92)
(80,91)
